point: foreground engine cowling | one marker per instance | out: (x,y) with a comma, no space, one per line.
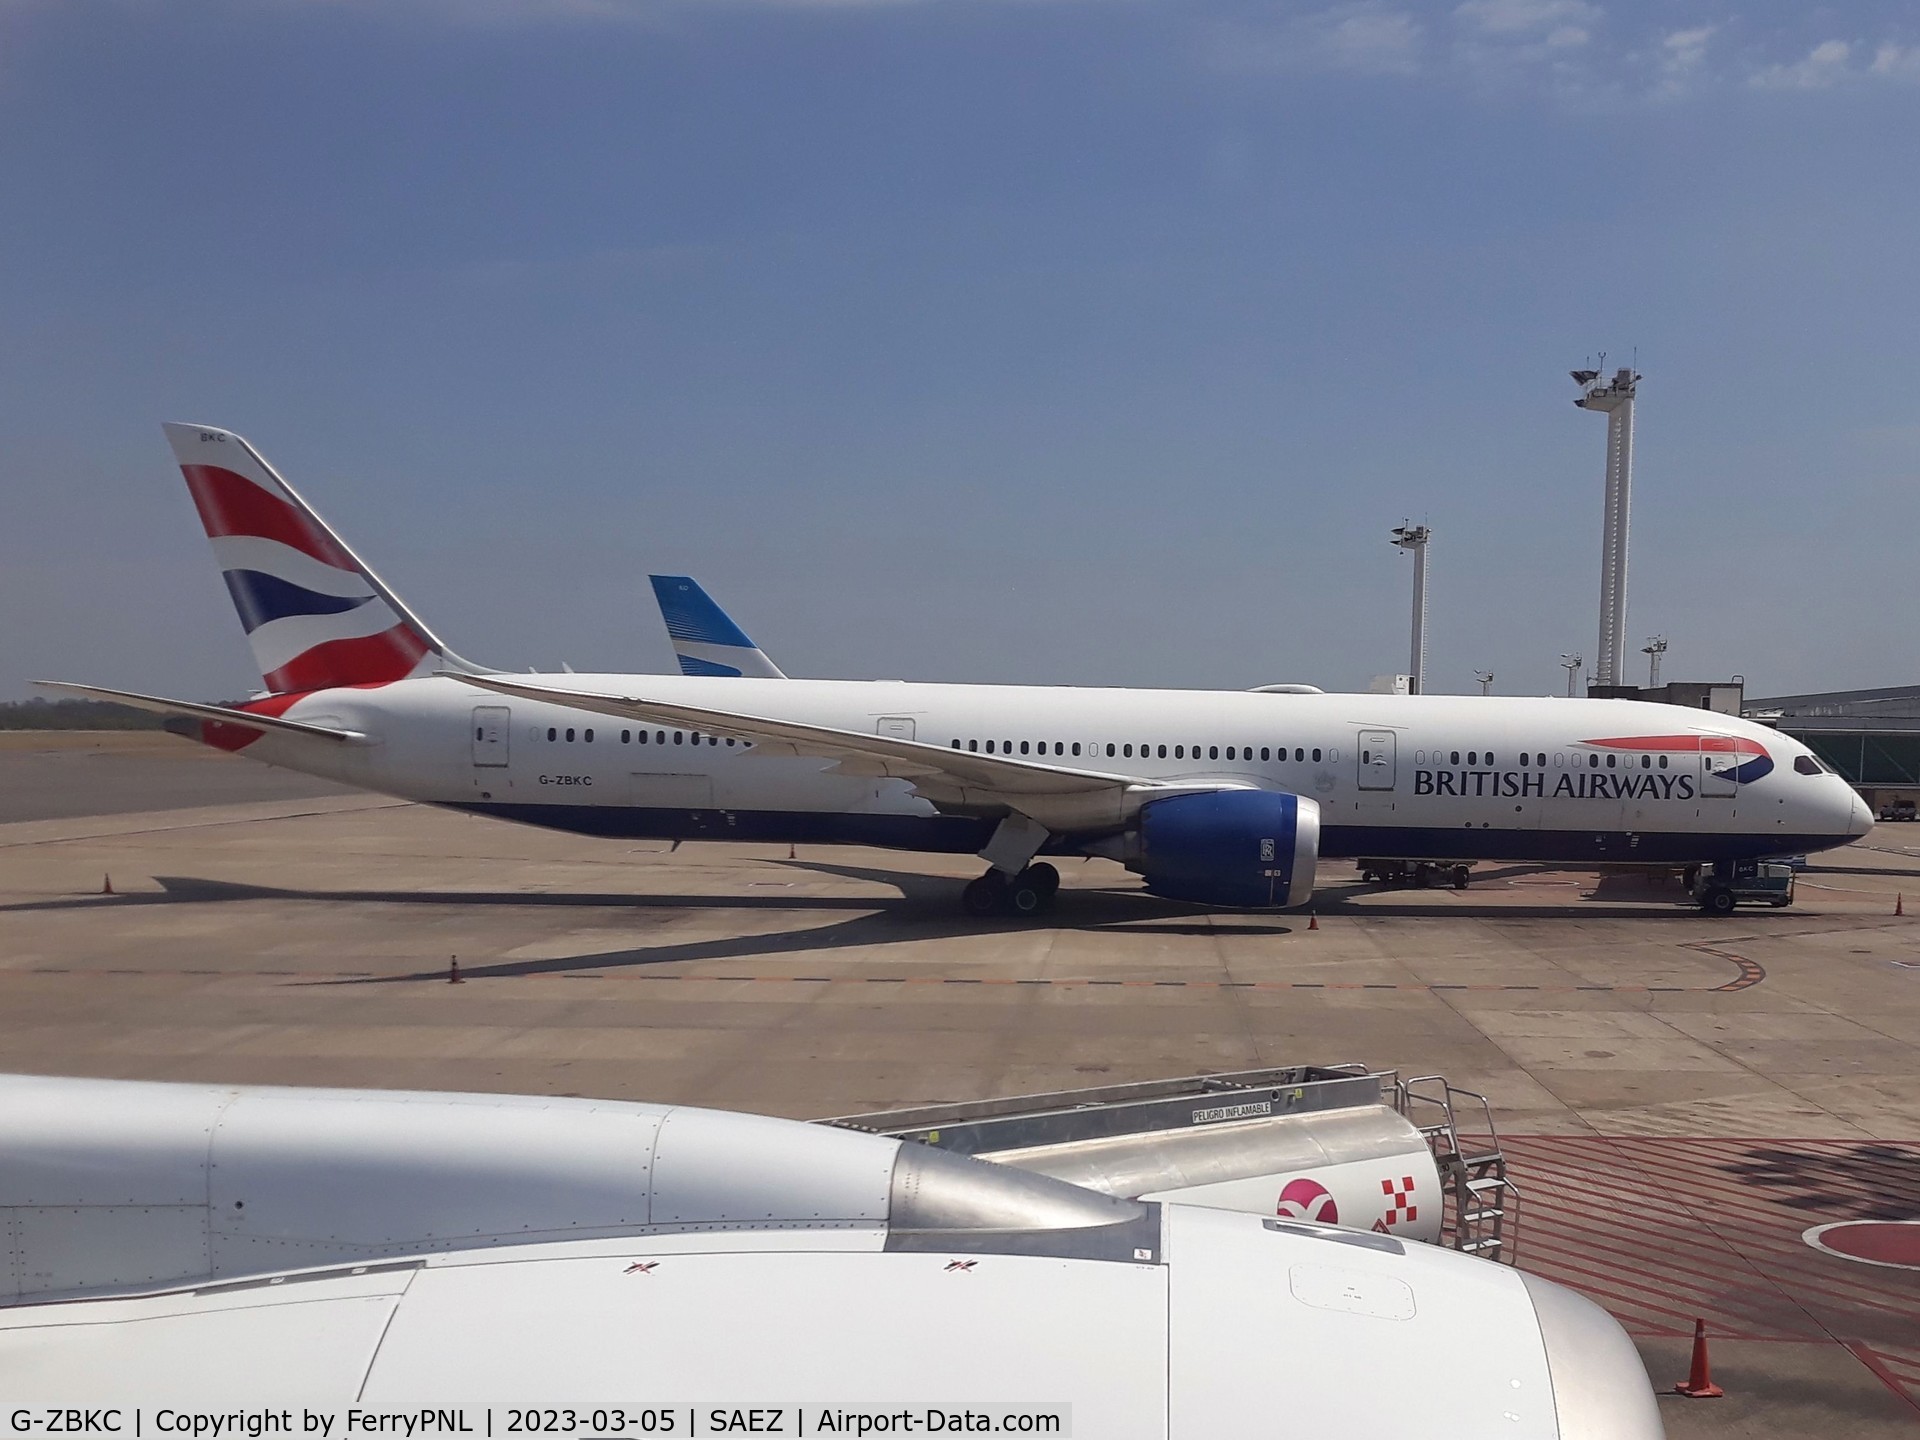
(1252,848)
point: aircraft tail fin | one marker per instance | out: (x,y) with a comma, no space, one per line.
(315,614)
(705,639)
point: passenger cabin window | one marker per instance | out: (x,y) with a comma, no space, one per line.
(1163,752)
(1456,757)
(1663,762)
(1316,757)
(589,737)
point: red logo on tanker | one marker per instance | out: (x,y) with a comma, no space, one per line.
(1305,1199)
(1398,1203)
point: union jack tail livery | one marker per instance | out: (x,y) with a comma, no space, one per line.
(315,615)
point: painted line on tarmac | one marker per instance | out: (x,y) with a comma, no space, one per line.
(1751,974)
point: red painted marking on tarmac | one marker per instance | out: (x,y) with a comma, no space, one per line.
(1661,1229)
(1879,1242)
(1597,1176)
(1751,971)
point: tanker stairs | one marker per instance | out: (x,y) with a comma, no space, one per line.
(1483,1203)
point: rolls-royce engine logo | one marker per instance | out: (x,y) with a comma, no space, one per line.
(1266,850)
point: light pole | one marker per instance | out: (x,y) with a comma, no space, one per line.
(1571,664)
(1414,538)
(1614,399)
(1485,677)
(1655,647)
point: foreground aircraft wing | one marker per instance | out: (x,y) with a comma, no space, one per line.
(193,710)
(706,641)
(1060,796)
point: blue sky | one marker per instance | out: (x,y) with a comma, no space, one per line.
(1090,341)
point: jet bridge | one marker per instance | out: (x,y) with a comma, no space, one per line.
(1337,1144)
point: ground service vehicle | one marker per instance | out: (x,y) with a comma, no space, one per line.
(1718,888)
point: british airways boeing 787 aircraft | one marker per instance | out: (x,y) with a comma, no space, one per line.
(1215,797)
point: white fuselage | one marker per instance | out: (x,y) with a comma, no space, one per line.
(1413,777)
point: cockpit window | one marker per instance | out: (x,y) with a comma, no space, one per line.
(1807,765)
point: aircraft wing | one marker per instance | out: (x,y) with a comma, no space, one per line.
(1059,796)
(193,710)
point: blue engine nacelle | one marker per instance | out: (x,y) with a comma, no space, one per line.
(1250,848)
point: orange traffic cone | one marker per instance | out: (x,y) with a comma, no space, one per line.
(1313,921)
(453,970)
(1699,1382)
(790,854)
(1900,904)
(106,884)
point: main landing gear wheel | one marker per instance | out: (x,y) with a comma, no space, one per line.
(1027,894)
(1459,877)
(985,896)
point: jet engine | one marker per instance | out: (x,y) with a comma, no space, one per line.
(1252,848)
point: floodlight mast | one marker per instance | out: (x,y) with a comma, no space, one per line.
(1655,647)
(1414,538)
(1614,399)
(1571,664)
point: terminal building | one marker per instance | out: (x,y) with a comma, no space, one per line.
(1872,737)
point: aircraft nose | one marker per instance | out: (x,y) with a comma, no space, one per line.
(1860,821)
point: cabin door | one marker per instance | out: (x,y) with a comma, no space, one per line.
(1375,756)
(1718,761)
(491,726)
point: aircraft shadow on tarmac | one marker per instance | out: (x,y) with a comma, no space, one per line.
(1834,1183)
(925,909)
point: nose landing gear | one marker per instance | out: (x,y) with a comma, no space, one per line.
(1026,894)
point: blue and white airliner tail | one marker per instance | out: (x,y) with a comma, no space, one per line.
(705,639)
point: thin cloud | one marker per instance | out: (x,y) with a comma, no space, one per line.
(1368,39)
(1683,51)
(1896,62)
(1526,17)
(1825,65)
